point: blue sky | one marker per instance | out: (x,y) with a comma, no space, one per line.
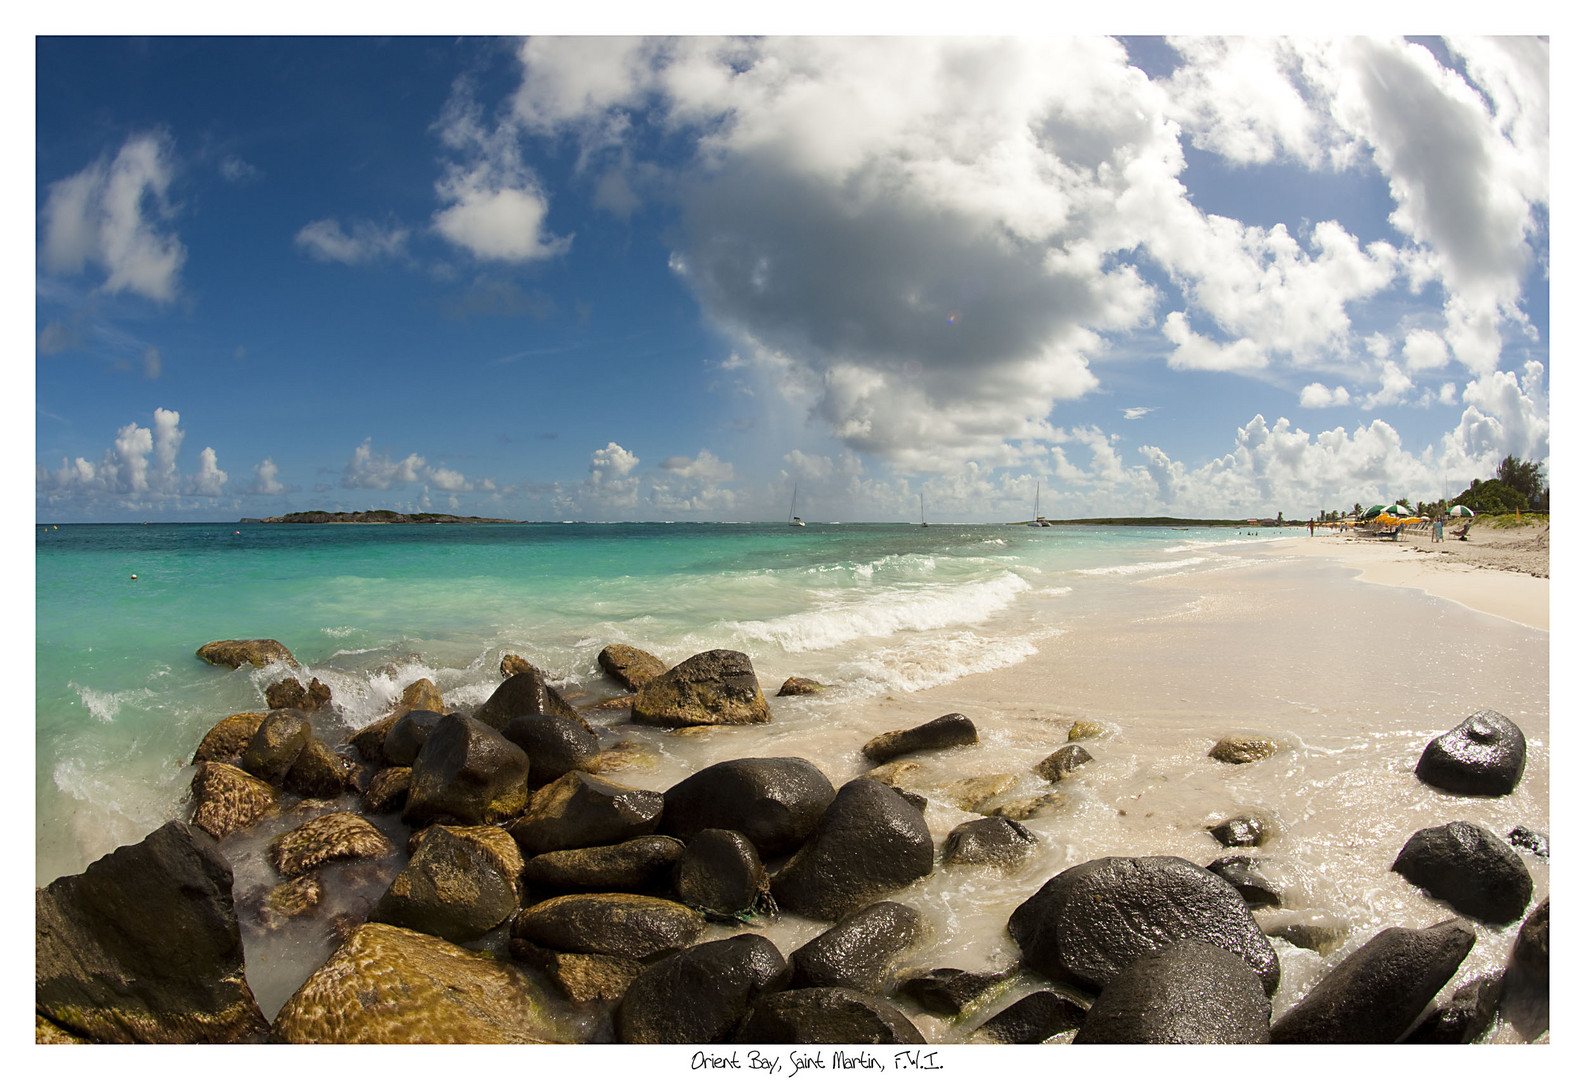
(600,279)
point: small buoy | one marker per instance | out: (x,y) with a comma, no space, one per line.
(134,577)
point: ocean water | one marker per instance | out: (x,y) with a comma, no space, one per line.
(1166,638)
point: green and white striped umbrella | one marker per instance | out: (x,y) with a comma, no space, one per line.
(1397,510)
(1460,511)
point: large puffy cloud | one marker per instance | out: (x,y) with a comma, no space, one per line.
(114,215)
(139,471)
(377,470)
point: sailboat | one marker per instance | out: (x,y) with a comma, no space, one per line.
(1039,521)
(792,518)
(923,524)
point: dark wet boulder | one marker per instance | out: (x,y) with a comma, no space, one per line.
(1482,756)
(797,685)
(458,884)
(641,865)
(291,694)
(466,774)
(1532,947)
(1093,920)
(407,734)
(329,837)
(720,873)
(1186,992)
(387,790)
(276,744)
(227,799)
(1243,873)
(1469,869)
(617,924)
(775,802)
(949,991)
(256,652)
(387,984)
(228,739)
(1466,1017)
(318,772)
(944,732)
(1530,840)
(370,741)
(823,1015)
(555,745)
(144,946)
(869,842)
(715,687)
(581,810)
(1245,830)
(701,994)
(1380,988)
(861,951)
(989,841)
(630,666)
(1033,1018)
(1243,749)
(525,694)
(1061,765)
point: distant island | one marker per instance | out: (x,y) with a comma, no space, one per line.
(374,517)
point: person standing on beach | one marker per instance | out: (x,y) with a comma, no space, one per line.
(1436,530)
(1312,526)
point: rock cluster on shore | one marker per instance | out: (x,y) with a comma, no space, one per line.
(539,899)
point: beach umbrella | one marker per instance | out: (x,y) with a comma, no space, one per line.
(1374,510)
(1397,510)
(1460,511)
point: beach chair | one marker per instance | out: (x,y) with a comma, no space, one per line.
(1462,533)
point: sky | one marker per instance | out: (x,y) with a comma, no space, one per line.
(563,278)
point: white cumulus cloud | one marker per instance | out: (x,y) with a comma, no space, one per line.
(326,241)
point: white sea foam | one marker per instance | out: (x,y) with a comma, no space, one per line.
(935,660)
(338,631)
(1141,568)
(104,706)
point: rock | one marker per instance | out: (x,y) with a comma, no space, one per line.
(721,874)
(894,773)
(513,664)
(454,886)
(944,732)
(1465,1018)
(386,984)
(1060,765)
(1469,869)
(1243,873)
(338,835)
(868,843)
(1241,750)
(259,652)
(1032,1019)
(617,924)
(642,864)
(297,896)
(1482,756)
(861,951)
(1038,806)
(1380,988)
(1185,992)
(467,773)
(989,841)
(1087,729)
(524,694)
(584,978)
(827,1014)
(48,1033)
(370,741)
(1242,831)
(775,802)
(228,739)
(973,791)
(1093,920)
(581,810)
(1532,947)
(408,733)
(1318,931)
(289,694)
(318,772)
(631,667)
(228,799)
(797,685)
(913,799)
(715,687)
(624,754)
(620,702)
(555,745)
(387,791)
(701,994)
(949,991)
(276,744)
(1530,840)
(144,946)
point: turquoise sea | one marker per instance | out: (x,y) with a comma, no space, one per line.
(122,700)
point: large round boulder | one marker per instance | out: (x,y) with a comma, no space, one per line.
(407,734)
(555,745)
(861,951)
(227,799)
(582,810)
(640,865)
(229,738)
(1482,756)
(1186,992)
(870,842)
(953,729)
(1093,920)
(1380,988)
(989,841)
(701,994)
(274,747)
(524,694)
(1468,868)
(720,873)
(256,652)
(822,1015)
(457,885)
(144,946)
(715,687)
(466,774)
(630,666)
(775,802)
(617,924)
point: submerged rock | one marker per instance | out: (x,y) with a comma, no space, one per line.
(1088,729)
(953,729)
(228,799)
(701,994)
(296,897)
(257,652)
(861,951)
(466,773)
(1243,831)
(796,685)
(1530,840)
(524,694)
(640,865)
(1484,755)
(1185,992)
(144,946)
(1468,868)
(618,924)
(775,802)
(1241,750)
(630,666)
(715,687)
(989,841)
(581,810)
(228,739)
(1036,806)
(974,791)
(1243,873)
(1060,765)
(1318,931)
(823,1015)
(948,991)
(1378,990)
(339,835)
(1032,1019)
